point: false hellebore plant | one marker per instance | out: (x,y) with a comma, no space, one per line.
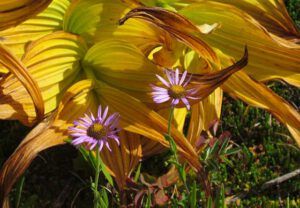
(67,58)
(94,133)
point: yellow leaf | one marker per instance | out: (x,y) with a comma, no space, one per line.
(22,76)
(202,114)
(132,73)
(122,160)
(268,58)
(177,25)
(51,132)
(48,21)
(53,62)
(14,12)
(242,86)
(271,14)
(85,17)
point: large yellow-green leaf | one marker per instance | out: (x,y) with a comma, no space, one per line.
(47,22)
(272,14)
(176,25)
(137,118)
(267,58)
(53,62)
(122,65)
(21,75)
(97,20)
(85,17)
(52,132)
(13,12)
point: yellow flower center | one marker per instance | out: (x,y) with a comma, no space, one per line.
(176,91)
(97,131)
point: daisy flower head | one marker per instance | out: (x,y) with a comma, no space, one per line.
(175,89)
(96,131)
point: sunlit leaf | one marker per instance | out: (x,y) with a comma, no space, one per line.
(268,58)
(48,21)
(13,12)
(53,62)
(51,132)
(24,78)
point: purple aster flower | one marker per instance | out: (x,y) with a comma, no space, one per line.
(96,131)
(175,89)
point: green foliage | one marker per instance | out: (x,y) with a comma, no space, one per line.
(294,10)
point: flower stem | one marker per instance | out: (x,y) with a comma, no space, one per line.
(173,147)
(171,114)
(96,193)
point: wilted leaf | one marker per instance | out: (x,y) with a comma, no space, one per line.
(14,12)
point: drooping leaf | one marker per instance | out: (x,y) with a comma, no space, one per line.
(53,62)
(24,78)
(51,132)
(271,14)
(176,25)
(240,85)
(124,158)
(269,58)
(13,12)
(48,21)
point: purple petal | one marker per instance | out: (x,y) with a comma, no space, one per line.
(115,123)
(177,76)
(160,89)
(187,81)
(170,77)
(77,130)
(159,93)
(99,112)
(183,77)
(186,102)
(81,123)
(161,99)
(160,96)
(93,144)
(86,119)
(92,117)
(78,134)
(163,80)
(79,140)
(175,101)
(193,98)
(100,143)
(104,114)
(110,119)
(116,139)
(108,147)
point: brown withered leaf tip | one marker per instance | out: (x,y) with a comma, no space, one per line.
(175,24)
(207,83)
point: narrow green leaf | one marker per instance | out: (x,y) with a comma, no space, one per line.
(20,186)
(193,195)
(106,173)
(137,173)
(224,146)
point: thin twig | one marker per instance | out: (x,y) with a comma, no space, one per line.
(280,179)
(266,185)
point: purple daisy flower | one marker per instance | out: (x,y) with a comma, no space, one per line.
(175,89)
(96,131)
